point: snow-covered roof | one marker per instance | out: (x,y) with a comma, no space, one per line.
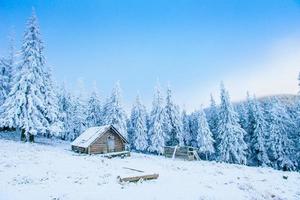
(89,136)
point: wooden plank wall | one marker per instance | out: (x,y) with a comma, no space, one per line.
(185,152)
(100,145)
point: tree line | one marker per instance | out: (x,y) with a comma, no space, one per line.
(254,132)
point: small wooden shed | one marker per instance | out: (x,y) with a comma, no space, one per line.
(182,152)
(99,140)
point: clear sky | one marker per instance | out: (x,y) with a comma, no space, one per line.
(191,44)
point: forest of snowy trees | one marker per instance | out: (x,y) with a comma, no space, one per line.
(256,132)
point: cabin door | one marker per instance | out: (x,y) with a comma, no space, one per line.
(111,144)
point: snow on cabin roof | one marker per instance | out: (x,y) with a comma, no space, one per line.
(89,136)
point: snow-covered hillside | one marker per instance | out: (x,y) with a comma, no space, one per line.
(49,170)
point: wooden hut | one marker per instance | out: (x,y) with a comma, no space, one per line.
(182,152)
(99,140)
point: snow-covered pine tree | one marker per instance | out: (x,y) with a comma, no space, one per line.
(297,135)
(247,121)
(299,82)
(194,127)
(156,124)
(186,130)
(113,111)
(12,59)
(204,136)
(297,119)
(281,148)
(257,134)
(51,106)
(94,109)
(173,124)
(138,137)
(231,146)
(4,81)
(78,123)
(212,118)
(65,110)
(78,111)
(7,66)
(242,111)
(25,105)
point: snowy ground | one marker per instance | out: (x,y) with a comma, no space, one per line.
(49,170)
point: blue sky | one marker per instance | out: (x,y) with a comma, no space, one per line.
(191,44)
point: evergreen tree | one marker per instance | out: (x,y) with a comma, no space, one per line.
(248,123)
(242,110)
(212,117)
(194,128)
(156,124)
(138,126)
(297,133)
(51,106)
(281,148)
(299,81)
(25,105)
(231,146)
(173,123)
(65,109)
(186,130)
(113,111)
(7,66)
(204,135)
(11,60)
(257,130)
(94,110)
(78,111)
(4,81)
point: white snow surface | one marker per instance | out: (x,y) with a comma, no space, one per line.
(48,169)
(89,136)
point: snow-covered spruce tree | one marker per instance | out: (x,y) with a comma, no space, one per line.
(25,105)
(138,137)
(51,106)
(173,122)
(113,111)
(94,110)
(4,81)
(194,127)
(297,133)
(204,136)
(186,130)
(231,147)
(247,121)
(299,81)
(242,111)
(78,111)
(157,135)
(293,111)
(78,122)
(212,117)
(65,109)
(7,66)
(257,134)
(281,148)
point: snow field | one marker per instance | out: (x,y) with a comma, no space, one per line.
(49,170)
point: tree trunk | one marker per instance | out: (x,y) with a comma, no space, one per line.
(31,138)
(23,136)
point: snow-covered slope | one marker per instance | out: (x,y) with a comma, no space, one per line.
(49,170)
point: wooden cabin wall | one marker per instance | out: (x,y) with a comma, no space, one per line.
(100,144)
